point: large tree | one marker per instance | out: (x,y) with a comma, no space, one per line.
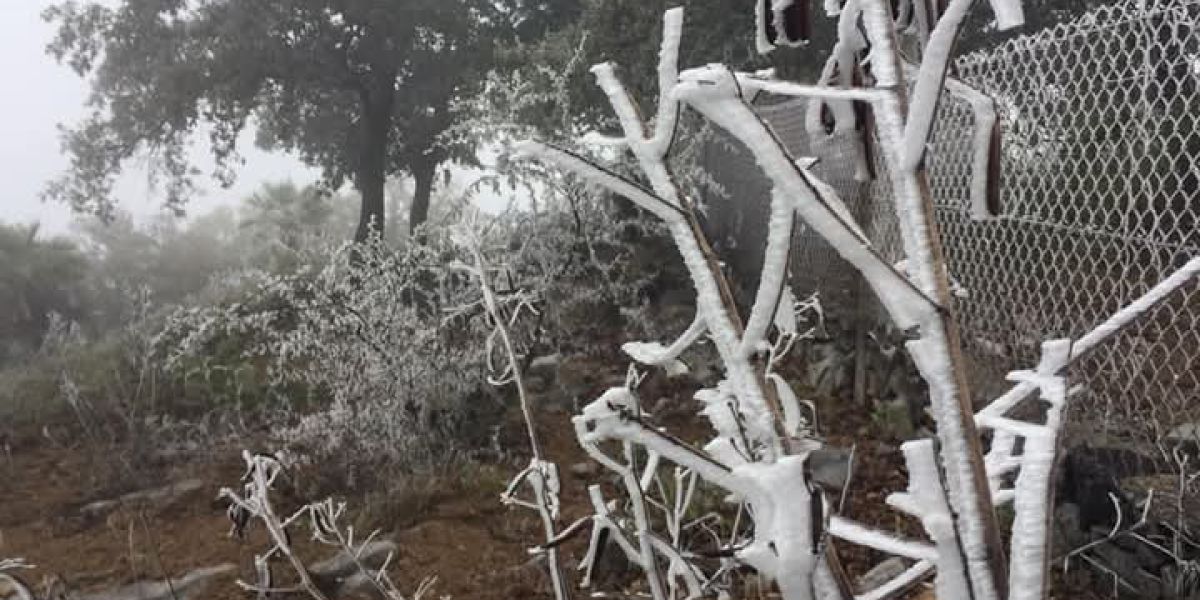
(362,89)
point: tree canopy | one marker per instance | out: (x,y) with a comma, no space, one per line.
(362,89)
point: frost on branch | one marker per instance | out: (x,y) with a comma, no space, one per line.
(10,583)
(541,475)
(759,450)
(780,22)
(1031,491)
(348,571)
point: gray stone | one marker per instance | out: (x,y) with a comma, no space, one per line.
(342,575)
(1066,520)
(661,405)
(584,469)
(545,364)
(155,498)
(187,587)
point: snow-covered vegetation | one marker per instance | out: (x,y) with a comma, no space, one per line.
(581,375)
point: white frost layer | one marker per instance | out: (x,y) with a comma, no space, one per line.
(1009,14)
(762,42)
(782,548)
(1030,538)
(928,85)
(773,275)
(983,109)
(714,93)
(911,575)
(668,61)
(929,499)
(880,540)
(793,420)
(654,353)
(933,361)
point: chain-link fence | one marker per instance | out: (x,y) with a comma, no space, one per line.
(1100,199)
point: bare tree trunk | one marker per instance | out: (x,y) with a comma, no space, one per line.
(423,173)
(372,165)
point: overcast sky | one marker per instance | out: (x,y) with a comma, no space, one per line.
(38,94)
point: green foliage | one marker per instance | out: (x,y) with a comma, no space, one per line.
(627,32)
(37,278)
(360,89)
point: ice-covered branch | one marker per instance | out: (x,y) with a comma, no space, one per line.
(714,300)
(668,71)
(597,175)
(255,503)
(937,353)
(1122,318)
(926,500)
(911,576)
(783,547)
(773,277)
(1098,335)
(884,542)
(1031,494)
(713,92)
(934,63)
(654,353)
(754,83)
(541,474)
(985,145)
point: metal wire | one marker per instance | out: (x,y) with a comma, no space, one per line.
(1100,194)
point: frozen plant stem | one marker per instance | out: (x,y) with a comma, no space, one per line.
(938,352)
(540,474)
(715,303)
(263,470)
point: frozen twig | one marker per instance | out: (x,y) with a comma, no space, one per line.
(541,474)
(254,503)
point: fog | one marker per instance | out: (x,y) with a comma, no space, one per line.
(44,94)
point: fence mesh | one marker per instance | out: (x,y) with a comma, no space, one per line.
(1100,197)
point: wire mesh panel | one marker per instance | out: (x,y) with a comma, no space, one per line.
(1100,198)
(738,217)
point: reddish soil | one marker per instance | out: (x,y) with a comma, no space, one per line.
(476,547)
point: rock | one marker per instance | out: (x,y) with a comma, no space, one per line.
(584,470)
(881,573)
(537,383)
(187,587)
(545,364)
(155,498)
(1124,564)
(340,575)
(1088,479)
(1068,534)
(661,405)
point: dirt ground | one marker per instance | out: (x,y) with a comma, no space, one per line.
(474,546)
